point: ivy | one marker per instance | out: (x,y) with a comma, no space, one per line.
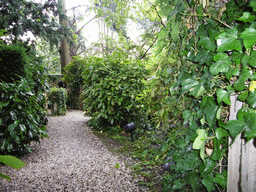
(214,55)
(58,99)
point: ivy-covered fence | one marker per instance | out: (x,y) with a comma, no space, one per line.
(211,55)
(241,157)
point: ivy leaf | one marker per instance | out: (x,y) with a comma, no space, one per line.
(250,120)
(252,59)
(251,99)
(207,43)
(243,95)
(221,65)
(188,84)
(253,5)
(239,85)
(235,127)
(229,41)
(198,90)
(249,37)
(210,110)
(208,183)
(199,142)
(224,96)
(245,74)
(220,133)
(221,179)
(241,113)
(247,17)
(216,155)
(209,165)
(187,115)
(233,71)
(253,76)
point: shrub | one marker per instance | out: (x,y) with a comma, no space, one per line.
(111,85)
(14,63)
(58,96)
(22,120)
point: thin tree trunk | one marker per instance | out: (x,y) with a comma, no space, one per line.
(64,47)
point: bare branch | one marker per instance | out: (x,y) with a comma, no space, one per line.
(149,48)
(157,13)
(77,7)
(84,26)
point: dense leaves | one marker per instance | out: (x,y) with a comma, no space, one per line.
(22,118)
(13,58)
(19,17)
(211,47)
(111,85)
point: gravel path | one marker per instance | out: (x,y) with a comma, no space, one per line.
(72,159)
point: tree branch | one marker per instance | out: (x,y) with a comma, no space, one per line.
(157,13)
(148,49)
(84,25)
(77,7)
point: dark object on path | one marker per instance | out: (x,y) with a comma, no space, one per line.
(62,84)
(129,128)
(166,166)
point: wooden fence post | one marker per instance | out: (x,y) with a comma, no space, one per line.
(241,158)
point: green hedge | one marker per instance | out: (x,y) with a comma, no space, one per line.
(14,63)
(110,88)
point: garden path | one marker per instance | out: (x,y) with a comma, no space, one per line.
(71,159)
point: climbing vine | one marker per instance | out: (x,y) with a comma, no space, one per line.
(210,56)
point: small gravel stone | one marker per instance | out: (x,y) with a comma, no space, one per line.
(71,159)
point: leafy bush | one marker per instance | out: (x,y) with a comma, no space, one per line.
(58,96)
(14,62)
(110,88)
(22,119)
(73,77)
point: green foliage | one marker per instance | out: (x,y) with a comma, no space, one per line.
(111,85)
(49,55)
(18,17)
(74,79)
(22,119)
(210,56)
(12,162)
(58,99)
(14,63)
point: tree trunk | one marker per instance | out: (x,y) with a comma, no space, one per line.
(64,47)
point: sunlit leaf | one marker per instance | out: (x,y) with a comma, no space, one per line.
(229,41)
(12,161)
(249,37)
(247,17)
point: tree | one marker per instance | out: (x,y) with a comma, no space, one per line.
(64,47)
(77,45)
(21,17)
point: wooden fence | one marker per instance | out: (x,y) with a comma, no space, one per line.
(241,159)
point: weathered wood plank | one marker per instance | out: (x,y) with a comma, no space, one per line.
(241,159)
